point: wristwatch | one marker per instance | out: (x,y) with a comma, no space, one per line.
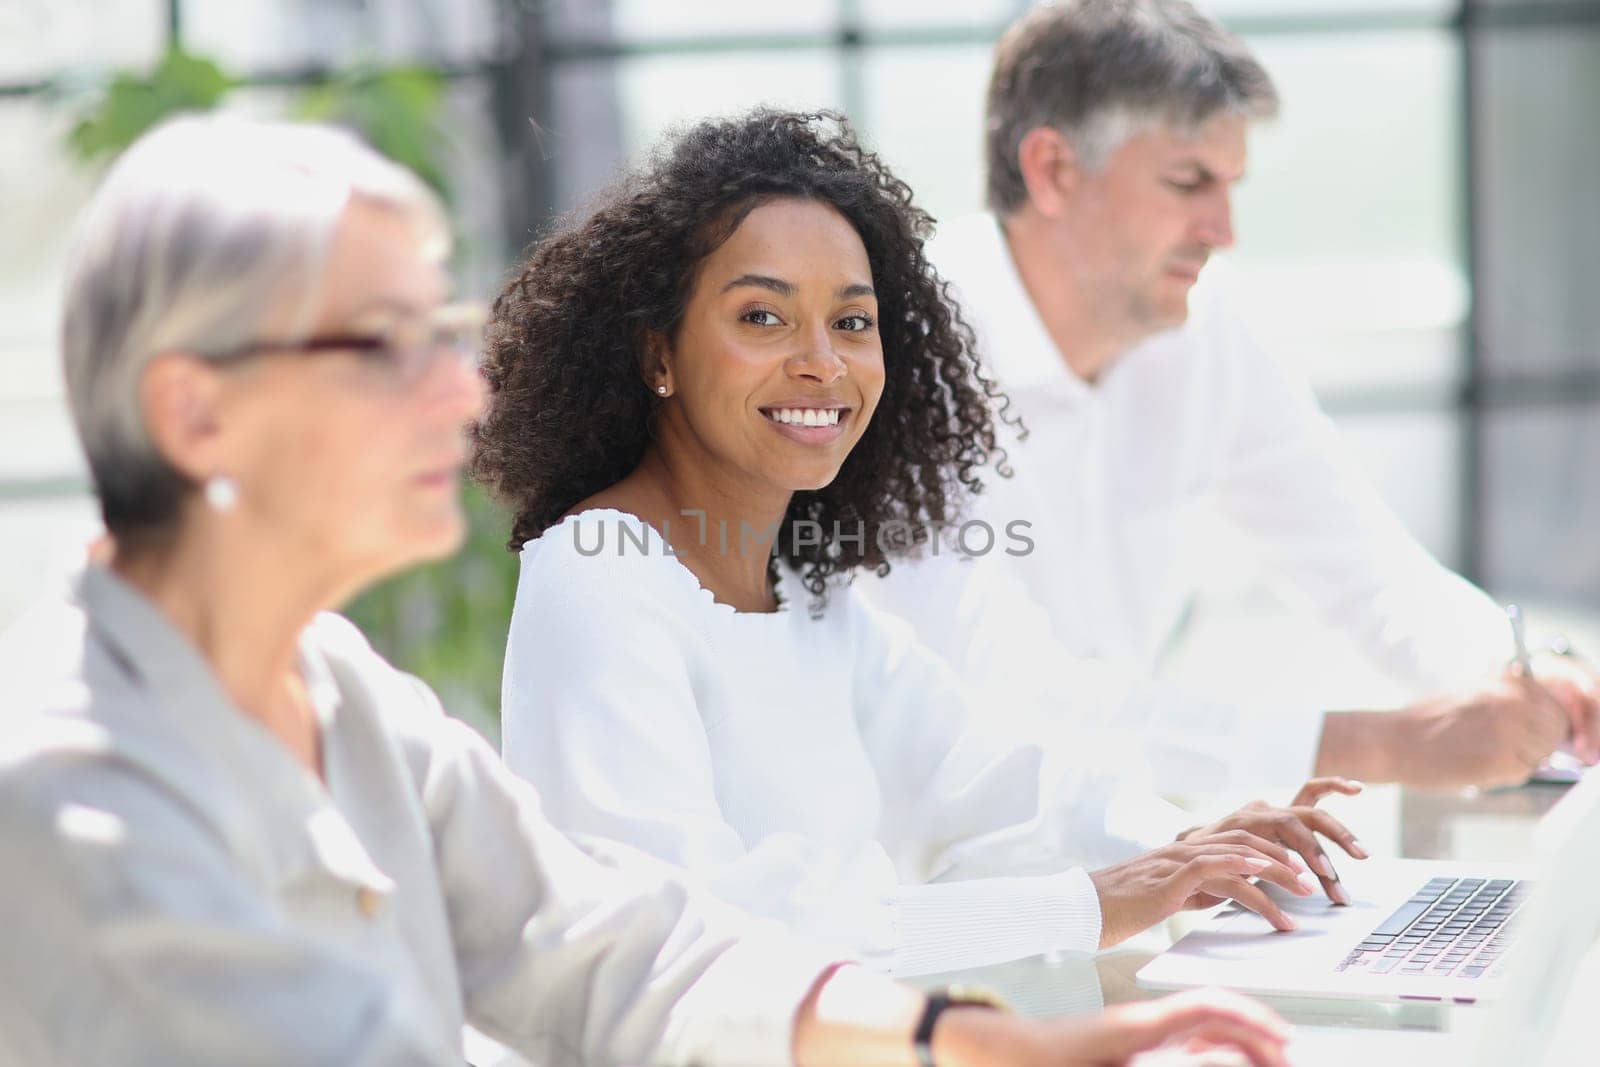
(938,1001)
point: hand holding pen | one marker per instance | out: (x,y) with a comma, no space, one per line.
(1567,682)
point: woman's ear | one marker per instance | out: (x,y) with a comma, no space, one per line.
(180,396)
(655,363)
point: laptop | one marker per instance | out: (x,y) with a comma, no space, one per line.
(1416,930)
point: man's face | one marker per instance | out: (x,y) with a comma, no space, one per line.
(1141,227)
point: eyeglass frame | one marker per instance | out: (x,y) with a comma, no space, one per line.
(372,345)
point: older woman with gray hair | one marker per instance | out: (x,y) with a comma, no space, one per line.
(232,832)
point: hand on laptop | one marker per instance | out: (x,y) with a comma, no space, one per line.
(1200,871)
(1296,828)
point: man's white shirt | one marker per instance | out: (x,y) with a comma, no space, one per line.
(1116,479)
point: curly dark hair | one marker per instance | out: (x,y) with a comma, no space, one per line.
(570,413)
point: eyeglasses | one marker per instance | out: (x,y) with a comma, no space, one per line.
(409,347)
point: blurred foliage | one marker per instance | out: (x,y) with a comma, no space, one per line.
(397,109)
(131,103)
(445,622)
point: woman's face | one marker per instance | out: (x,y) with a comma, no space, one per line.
(342,457)
(777,366)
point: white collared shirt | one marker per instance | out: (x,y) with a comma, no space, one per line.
(178,889)
(1115,478)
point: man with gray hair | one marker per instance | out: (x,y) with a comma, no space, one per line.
(1116,130)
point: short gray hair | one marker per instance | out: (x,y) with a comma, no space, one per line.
(207,229)
(1098,70)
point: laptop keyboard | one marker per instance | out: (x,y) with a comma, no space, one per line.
(1451,927)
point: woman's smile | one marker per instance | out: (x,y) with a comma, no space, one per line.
(808,424)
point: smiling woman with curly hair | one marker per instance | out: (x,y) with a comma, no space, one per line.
(574,411)
(744,337)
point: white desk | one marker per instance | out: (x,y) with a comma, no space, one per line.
(1494,826)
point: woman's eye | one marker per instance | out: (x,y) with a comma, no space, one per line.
(760,318)
(855,323)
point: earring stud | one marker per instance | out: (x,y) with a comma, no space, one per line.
(661,389)
(222,494)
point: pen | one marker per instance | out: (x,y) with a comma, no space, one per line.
(1522,662)
(1519,640)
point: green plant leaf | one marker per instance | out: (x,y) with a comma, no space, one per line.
(397,109)
(447,622)
(131,104)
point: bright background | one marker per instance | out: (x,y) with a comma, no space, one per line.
(1420,233)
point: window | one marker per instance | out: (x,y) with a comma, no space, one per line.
(1418,230)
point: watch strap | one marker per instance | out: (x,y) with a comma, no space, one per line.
(940,1000)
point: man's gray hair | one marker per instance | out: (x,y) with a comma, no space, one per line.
(208,232)
(1100,70)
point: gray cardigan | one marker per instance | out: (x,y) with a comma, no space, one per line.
(178,889)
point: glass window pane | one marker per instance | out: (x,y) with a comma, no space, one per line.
(923,111)
(36,440)
(44,540)
(254,35)
(652,20)
(583,141)
(264,101)
(1349,220)
(609,111)
(1346,9)
(920,14)
(1541,483)
(1348,328)
(1539,220)
(1541,7)
(63,36)
(475,170)
(1414,459)
(1343,170)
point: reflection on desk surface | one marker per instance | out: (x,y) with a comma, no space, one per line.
(1326,1046)
(1493,825)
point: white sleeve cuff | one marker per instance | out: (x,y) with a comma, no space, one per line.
(946,926)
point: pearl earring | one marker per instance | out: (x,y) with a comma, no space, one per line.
(661,389)
(222,493)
